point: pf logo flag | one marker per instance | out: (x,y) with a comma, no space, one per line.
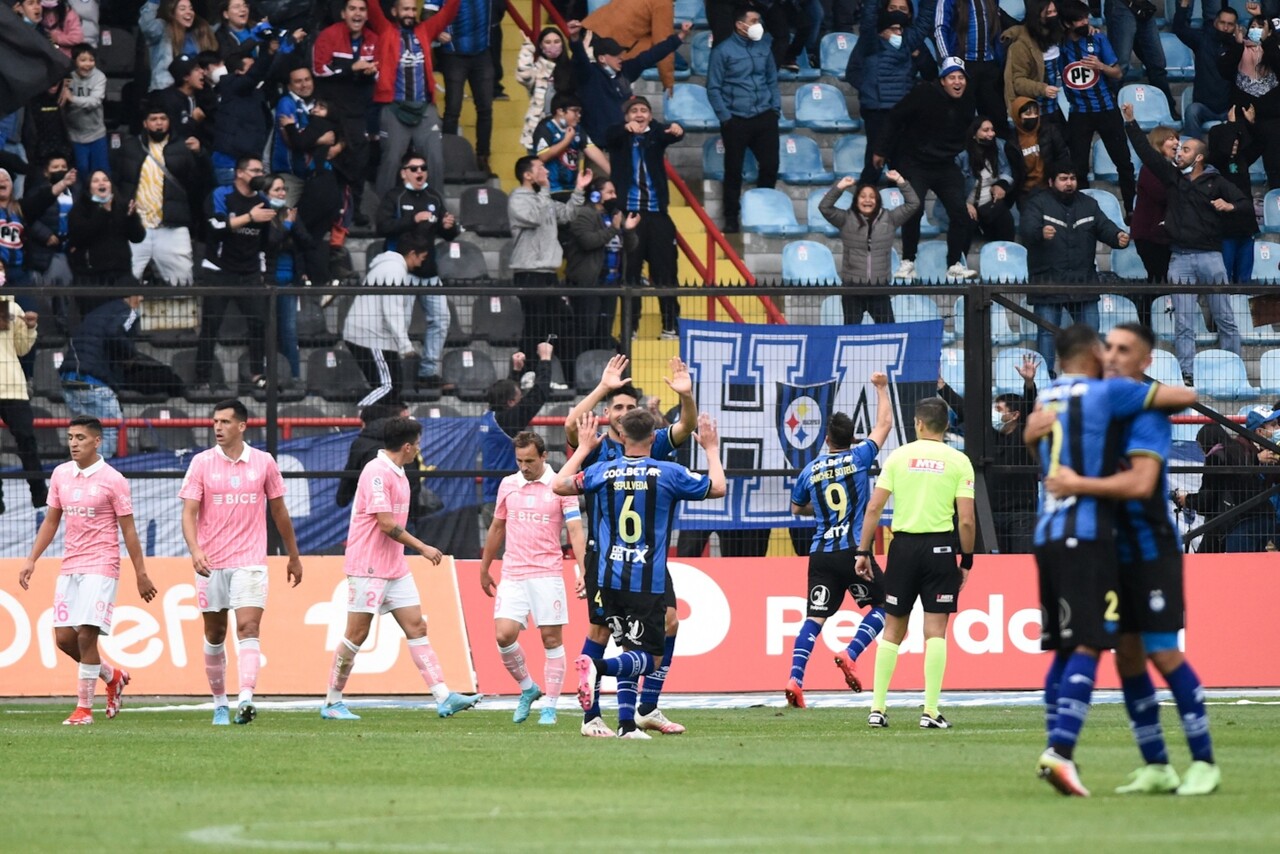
(802,420)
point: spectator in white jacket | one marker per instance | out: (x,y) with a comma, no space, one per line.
(376,330)
(82,109)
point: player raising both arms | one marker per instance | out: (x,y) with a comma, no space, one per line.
(620,397)
(636,499)
(1151,589)
(378,579)
(225,526)
(834,489)
(96,500)
(528,515)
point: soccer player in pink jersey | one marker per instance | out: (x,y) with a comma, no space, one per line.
(225,526)
(529,516)
(378,579)
(96,500)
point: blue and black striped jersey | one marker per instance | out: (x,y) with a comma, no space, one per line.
(838,487)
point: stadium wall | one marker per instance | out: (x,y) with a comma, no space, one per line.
(738,620)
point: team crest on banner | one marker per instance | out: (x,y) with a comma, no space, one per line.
(802,420)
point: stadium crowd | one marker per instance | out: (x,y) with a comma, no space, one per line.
(243,144)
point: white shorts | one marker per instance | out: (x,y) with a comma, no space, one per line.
(367,595)
(85,600)
(238,587)
(544,598)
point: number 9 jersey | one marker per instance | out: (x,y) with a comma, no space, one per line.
(837,485)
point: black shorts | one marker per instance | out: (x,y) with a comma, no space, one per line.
(832,573)
(1151,598)
(669,598)
(1079,595)
(637,620)
(924,566)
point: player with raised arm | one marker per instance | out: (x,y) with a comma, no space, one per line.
(226,495)
(1075,537)
(1151,588)
(96,501)
(834,490)
(529,516)
(636,497)
(378,579)
(620,397)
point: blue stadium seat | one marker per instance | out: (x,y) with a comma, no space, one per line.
(1188,97)
(1005,370)
(891,197)
(689,10)
(700,53)
(822,107)
(834,50)
(713,162)
(1109,203)
(1266,262)
(912,307)
(681,69)
(1016,9)
(849,155)
(1250,334)
(688,106)
(1003,261)
(1269,372)
(1006,327)
(1113,310)
(1104,168)
(1162,322)
(1150,107)
(1178,58)
(592,5)
(1127,264)
(1271,212)
(1220,373)
(931,262)
(1257,172)
(800,161)
(807,262)
(832,312)
(769,212)
(1164,367)
(815,220)
(806,74)
(952,368)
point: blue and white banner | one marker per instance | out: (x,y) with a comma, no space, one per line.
(772,388)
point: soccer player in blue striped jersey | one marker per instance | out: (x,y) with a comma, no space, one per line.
(1086,59)
(834,490)
(1075,537)
(1151,587)
(620,397)
(636,499)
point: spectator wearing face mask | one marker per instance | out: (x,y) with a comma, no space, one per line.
(988,181)
(1032,147)
(1221,491)
(544,69)
(1212,90)
(600,236)
(101,230)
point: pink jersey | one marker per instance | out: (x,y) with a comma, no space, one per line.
(92,500)
(534,516)
(383,488)
(233,496)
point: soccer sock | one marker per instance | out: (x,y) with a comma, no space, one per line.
(215,667)
(627,704)
(1074,695)
(803,649)
(886,661)
(1052,683)
(429,666)
(344,658)
(84,688)
(654,682)
(593,650)
(870,628)
(1189,695)
(106,672)
(250,659)
(629,665)
(935,666)
(513,660)
(1144,717)
(553,675)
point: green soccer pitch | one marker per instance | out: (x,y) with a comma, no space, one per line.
(762,779)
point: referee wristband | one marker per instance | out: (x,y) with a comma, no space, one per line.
(966,560)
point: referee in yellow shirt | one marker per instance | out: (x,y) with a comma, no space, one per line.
(931,482)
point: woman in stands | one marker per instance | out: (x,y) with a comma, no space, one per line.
(1146,226)
(545,70)
(172,29)
(234,29)
(100,229)
(988,181)
(1251,64)
(61,24)
(867,234)
(284,268)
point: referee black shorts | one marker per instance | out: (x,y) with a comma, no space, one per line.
(831,574)
(1151,597)
(922,566)
(1079,594)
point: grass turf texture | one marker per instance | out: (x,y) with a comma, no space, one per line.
(756,779)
